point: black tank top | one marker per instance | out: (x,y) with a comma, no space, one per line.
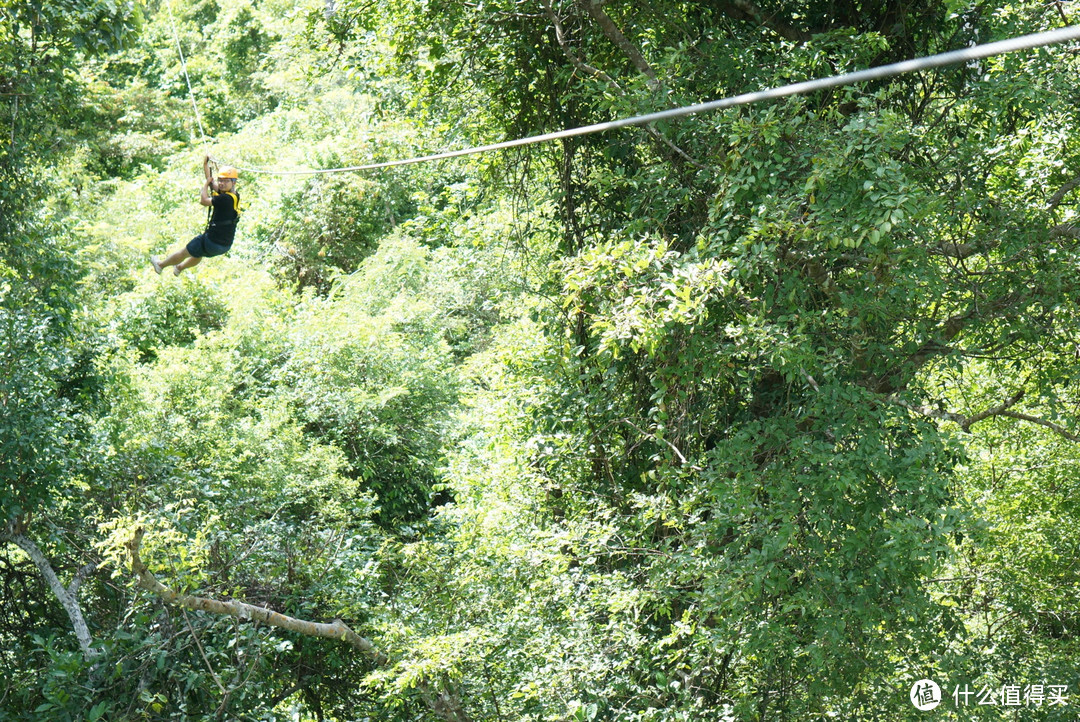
(223,214)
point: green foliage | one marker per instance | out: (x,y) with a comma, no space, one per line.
(166,314)
(330,224)
(732,347)
(37,420)
(41,47)
(377,385)
(41,384)
(757,415)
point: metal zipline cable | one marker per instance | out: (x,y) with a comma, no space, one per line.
(953,57)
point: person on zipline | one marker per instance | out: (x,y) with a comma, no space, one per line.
(223,211)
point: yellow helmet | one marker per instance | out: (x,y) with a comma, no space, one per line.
(228,172)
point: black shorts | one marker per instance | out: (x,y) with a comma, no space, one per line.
(202,247)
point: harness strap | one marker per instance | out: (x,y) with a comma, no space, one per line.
(229,222)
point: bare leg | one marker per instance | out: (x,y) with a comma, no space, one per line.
(175,258)
(186,263)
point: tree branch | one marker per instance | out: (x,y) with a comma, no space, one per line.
(1002,409)
(654,437)
(572,56)
(890,381)
(932,412)
(1056,428)
(584,67)
(202,653)
(1067,230)
(746,10)
(993,411)
(247,612)
(596,11)
(959,251)
(80,577)
(1057,198)
(899,375)
(1061,11)
(442,702)
(66,595)
(284,695)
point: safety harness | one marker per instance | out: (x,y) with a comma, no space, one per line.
(210,223)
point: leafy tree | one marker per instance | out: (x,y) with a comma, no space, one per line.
(39,49)
(753,308)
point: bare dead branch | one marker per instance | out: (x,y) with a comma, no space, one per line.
(65,595)
(442,702)
(248,612)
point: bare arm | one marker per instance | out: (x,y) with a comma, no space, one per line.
(204,195)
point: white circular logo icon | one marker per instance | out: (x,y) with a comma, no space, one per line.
(925,695)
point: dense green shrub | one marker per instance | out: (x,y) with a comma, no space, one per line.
(169,313)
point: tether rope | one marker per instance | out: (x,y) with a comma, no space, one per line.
(183,64)
(953,57)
